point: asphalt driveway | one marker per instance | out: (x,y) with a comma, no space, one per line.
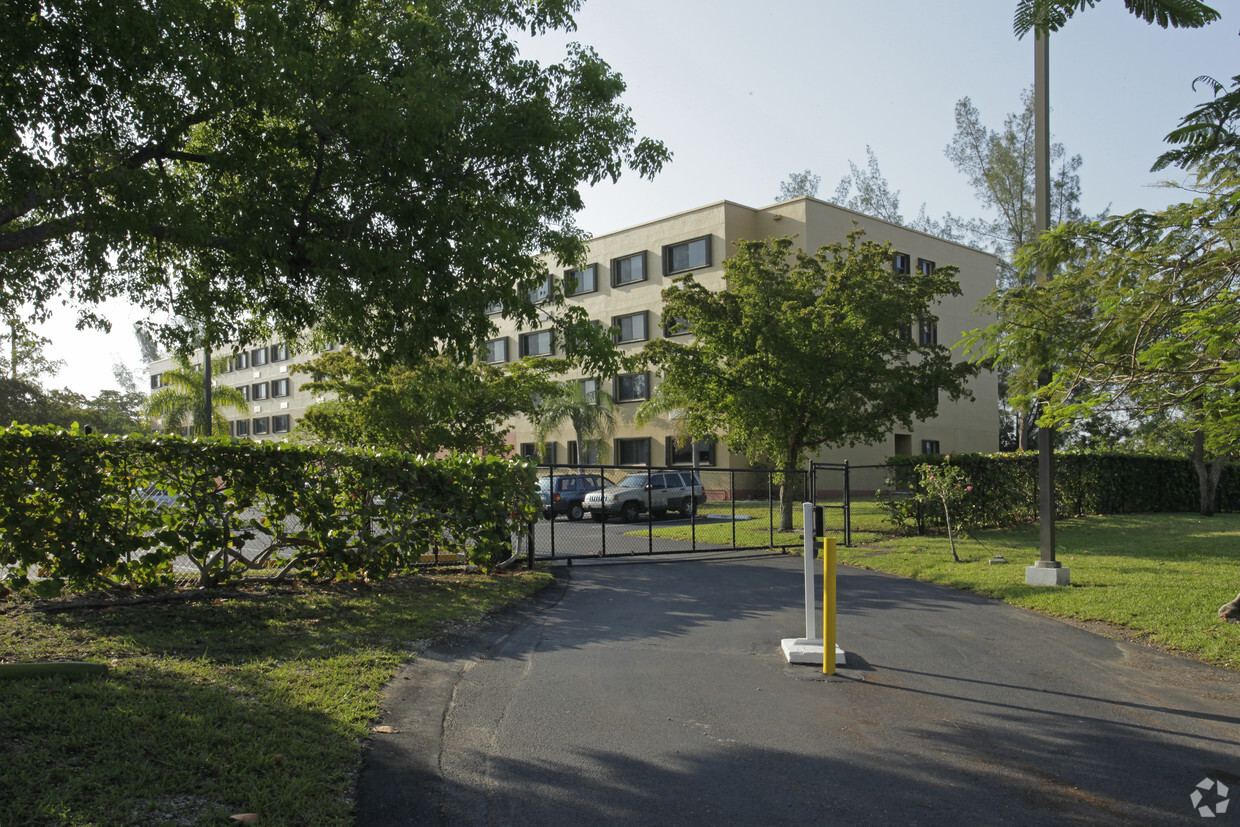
(655,693)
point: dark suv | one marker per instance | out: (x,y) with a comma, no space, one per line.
(562,494)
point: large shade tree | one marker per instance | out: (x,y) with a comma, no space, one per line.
(382,170)
(804,351)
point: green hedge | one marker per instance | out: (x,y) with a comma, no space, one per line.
(1005,486)
(82,511)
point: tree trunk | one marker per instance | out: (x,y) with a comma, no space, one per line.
(786,492)
(1207,475)
(1230,611)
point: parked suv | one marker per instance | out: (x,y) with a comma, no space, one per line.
(658,491)
(562,494)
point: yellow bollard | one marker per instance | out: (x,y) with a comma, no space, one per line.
(828,605)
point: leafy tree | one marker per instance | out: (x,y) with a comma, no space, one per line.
(799,184)
(21,401)
(180,403)
(24,357)
(590,410)
(383,170)
(875,197)
(433,405)
(804,351)
(1052,15)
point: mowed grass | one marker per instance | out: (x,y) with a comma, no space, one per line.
(758,525)
(251,704)
(1162,576)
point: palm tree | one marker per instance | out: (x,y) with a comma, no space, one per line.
(180,403)
(590,409)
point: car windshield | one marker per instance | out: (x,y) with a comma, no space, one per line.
(632,481)
(544,484)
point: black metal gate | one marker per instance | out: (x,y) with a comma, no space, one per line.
(657,510)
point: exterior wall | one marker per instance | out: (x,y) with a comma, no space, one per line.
(293,405)
(963,426)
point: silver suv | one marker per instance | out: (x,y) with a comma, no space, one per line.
(655,491)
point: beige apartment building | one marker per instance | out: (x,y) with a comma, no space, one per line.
(621,287)
(264,374)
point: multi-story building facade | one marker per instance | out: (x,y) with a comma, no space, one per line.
(264,375)
(621,287)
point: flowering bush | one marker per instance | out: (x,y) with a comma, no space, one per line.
(945,484)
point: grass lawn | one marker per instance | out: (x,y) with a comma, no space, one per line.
(257,703)
(1163,576)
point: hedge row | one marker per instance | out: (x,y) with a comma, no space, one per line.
(82,510)
(1005,486)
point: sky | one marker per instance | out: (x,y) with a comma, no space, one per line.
(744,94)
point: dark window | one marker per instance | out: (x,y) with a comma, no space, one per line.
(628,269)
(279,352)
(632,328)
(536,344)
(901,263)
(279,424)
(261,425)
(541,292)
(279,387)
(258,392)
(529,450)
(581,281)
(548,454)
(633,451)
(925,266)
(676,327)
(241,427)
(687,255)
(242,360)
(245,392)
(929,333)
(258,357)
(633,386)
(497,350)
(228,365)
(155,381)
(589,456)
(683,455)
(589,390)
(930,446)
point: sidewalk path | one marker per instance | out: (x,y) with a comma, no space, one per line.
(655,693)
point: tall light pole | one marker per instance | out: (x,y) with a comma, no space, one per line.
(1046,571)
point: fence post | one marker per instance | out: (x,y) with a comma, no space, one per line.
(847,506)
(530,535)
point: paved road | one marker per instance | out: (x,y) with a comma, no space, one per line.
(655,693)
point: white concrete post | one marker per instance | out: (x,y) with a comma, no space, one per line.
(811,615)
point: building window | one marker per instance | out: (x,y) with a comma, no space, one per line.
(676,326)
(577,282)
(279,352)
(528,450)
(632,387)
(930,446)
(258,392)
(536,344)
(631,328)
(279,387)
(242,360)
(497,350)
(541,292)
(929,333)
(590,455)
(155,381)
(633,451)
(678,454)
(901,263)
(925,266)
(279,424)
(548,452)
(686,256)
(245,392)
(258,357)
(261,425)
(241,427)
(227,363)
(589,390)
(629,269)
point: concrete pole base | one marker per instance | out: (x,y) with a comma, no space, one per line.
(808,650)
(1047,576)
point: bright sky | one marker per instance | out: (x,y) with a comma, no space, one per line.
(745,94)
